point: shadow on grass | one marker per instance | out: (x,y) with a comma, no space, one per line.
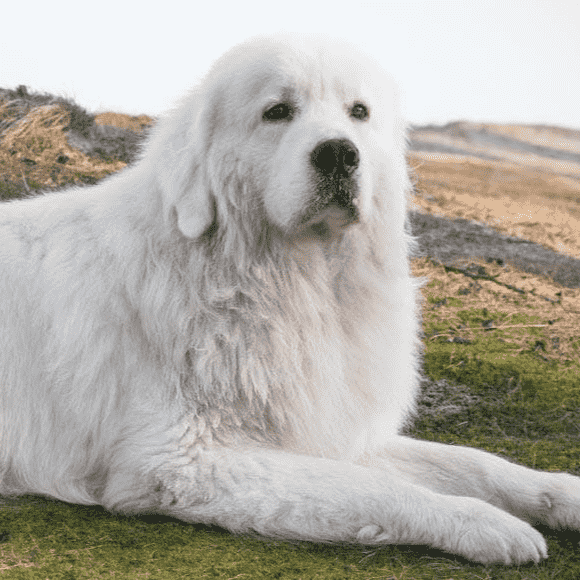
(454,240)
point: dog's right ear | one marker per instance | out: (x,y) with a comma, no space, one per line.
(178,148)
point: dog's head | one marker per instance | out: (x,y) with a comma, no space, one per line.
(292,131)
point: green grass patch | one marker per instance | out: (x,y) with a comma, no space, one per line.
(57,541)
(491,365)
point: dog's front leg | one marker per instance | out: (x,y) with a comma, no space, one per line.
(284,495)
(535,496)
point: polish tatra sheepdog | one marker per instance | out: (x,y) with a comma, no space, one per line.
(227,331)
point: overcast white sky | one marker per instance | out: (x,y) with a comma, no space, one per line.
(481,60)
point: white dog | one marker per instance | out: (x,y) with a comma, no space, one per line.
(226,332)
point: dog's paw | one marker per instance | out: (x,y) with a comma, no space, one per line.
(559,505)
(467,527)
(489,535)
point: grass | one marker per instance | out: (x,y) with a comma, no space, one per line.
(56,541)
(502,355)
(48,142)
(502,347)
(517,200)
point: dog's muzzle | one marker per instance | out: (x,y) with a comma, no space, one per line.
(335,162)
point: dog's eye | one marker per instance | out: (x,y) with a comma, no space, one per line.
(359,111)
(279,112)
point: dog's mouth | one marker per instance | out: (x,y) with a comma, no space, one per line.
(333,219)
(333,209)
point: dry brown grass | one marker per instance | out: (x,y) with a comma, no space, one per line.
(132,123)
(35,149)
(521,201)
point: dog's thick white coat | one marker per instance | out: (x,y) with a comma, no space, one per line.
(204,336)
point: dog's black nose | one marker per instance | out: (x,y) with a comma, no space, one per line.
(335,157)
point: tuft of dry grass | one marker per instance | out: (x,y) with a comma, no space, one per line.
(47,142)
(133,123)
(35,149)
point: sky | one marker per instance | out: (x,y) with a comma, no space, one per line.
(507,61)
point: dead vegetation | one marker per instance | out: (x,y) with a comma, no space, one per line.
(48,142)
(528,202)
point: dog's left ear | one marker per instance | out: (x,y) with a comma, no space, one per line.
(178,151)
(194,206)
